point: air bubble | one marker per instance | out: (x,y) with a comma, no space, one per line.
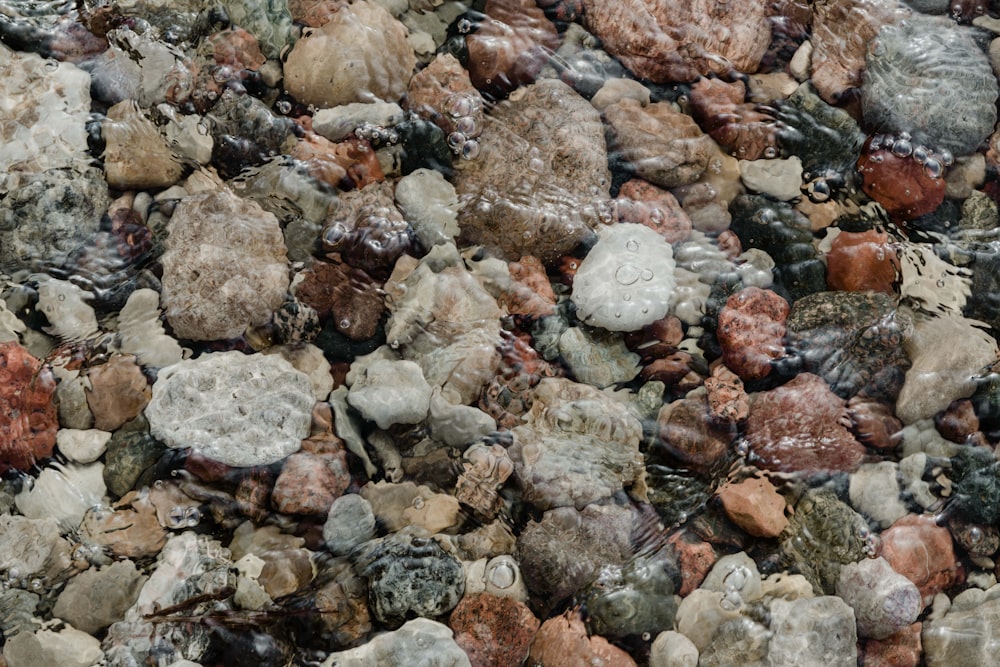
(627,274)
(626,297)
(647,274)
(418,503)
(876,143)
(466,125)
(344,323)
(464,26)
(470,149)
(940,283)
(632,245)
(618,313)
(902,148)
(920,154)
(975,535)
(456,140)
(947,159)
(459,105)
(933,168)
(770,152)
(51,65)
(502,575)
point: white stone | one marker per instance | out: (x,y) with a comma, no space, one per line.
(779,178)
(141,333)
(672,649)
(338,123)
(430,205)
(82,445)
(391,392)
(801,63)
(10,325)
(626,280)
(736,576)
(63,493)
(67,648)
(64,305)
(874,490)
(242,410)
(419,643)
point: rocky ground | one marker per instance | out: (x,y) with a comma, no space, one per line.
(545,332)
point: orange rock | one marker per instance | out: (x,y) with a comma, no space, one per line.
(727,400)
(902,649)
(28,417)
(493,631)
(755,506)
(858,262)
(752,331)
(695,558)
(119,391)
(742,129)
(901,185)
(531,292)
(923,552)
(563,641)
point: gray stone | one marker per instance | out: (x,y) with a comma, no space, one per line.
(242,410)
(131,451)
(30,547)
(389,392)
(67,648)
(813,632)
(737,576)
(339,122)
(883,600)
(967,634)
(430,205)
(96,598)
(874,491)
(419,643)
(598,358)
(350,522)
(779,178)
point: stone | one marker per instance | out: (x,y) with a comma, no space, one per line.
(420,641)
(443,94)
(131,451)
(397,506)
(430,205)
(664,146)
(632,600)
(906,188)
(626,280)
(751,331)
(688,433)
(128,529)
(136,155)
(69,646)
(317,70)
(308,359)
(32,548)
(65,306)
(862,261)
(82,446)
(874,491)
(485,470)
(780,179)
(141,333)
(965,634)
(672,649)
(28,415)
(237,409)
(118,391)
(338,123)
(287,565)
(883,600)
(923,552)
(390,392)
(701,614)
(367,231)
(493,631)
(219,278)
(98,597)
(744,130)
(64,493)
(903,649)
(813,631)
(755,506)
(349,522)
(695,558)
(644,203)
(530,293)
(597,357)
(563,640)
(350,297)
(727,398)
(308,484)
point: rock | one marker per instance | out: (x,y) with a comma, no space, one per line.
(430,205)
(379,67)
(893,177)
(65,306)
(801,426)
(780,179)
(128,529)
(443,94)
(695,558)
(667,41)
(744,130)
(390,392)
(755,506)
(625,281)
(338,123)
(220,278)
(28,415)
(644,203)
(420,642)
(813,631)
(132,450)
(349,522)
(350,297)
(737,576)
(664,146)
(136,155)
(32,548)
(308,484)
(701,614)
(530,293)
(751,331)
(141,332)
(902,649)
(563,640)
(727,398)
(308,359)
(863,261)
(965,633)
(545,143)
(874,491)
(920,550)
(82,446)
(409,575)
(69,647)
(397,506)
(237,409)
(688,433)
(874,424)
(672,649)
(64,493)
(597,357)
(287,566)
(367,230)
(883,600)
(634,600)
(96,598)
(118,392)
(940,372)
(493,631)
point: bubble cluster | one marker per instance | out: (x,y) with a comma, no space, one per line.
(463,109)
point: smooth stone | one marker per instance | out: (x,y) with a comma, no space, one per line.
(701,613)
(672,649)
(737,576)
(813,631)
(349,522)
(390,392)
(966,634)
(755,506)
(339,123)
(96,598)
(874,491)
(779,178)
(418,643)
(82,445)
(67,648)
(63,493)
(883,600)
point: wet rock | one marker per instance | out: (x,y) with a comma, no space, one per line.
(688,434)
(740,128)
(430,205)
(895,179)
(493,631)
(409,575)
(644,203)
(633,600)
(576,447)
(530,293)
(817,631)
(563,639)
(883,600)
(350,297)
(340,122)
(136,155)
(902,649)
(751,331)
(82,446)
(664,41)
(672,649)
(780,179)
(96,598)
(965,633)
(28,418)
(540,181)
(131,451)
(920,550)
(64,493)
(237,409)
(118,392)
(308,484)
(367,231)
(727,399)
(702,614)
(128,529)
(381,64)
(65,306)
(625,281)
(418,642)
(443,94)
(399,505)
(695,558)
(221,276)
(664,146)
(858,262)
(755,506)
(874,491)
(141,333)
(32,548)
(485,471)
(287,565)
(803,427)
(958,422)
(68,646)
(597,357)
(390,392)
(349,522)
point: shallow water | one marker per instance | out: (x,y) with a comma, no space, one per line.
(584,316)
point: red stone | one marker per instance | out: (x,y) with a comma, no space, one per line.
(874,423)
(237,48)
(493,631)
(923,552)
(802,426)
(563,640)
(755,506)
(958,422)
(656,340)
(752,331)
(901,185)
(642,202)
(902,649)
(695,558)
(530,293)
(28,416)
(347,294)
(688,433)
(862,261)
(727,400)
(742,129)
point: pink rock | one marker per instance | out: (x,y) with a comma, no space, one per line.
(308,484)
(28,417)
(902,649)
(563,641)
(802,426)
(695,557)
(493,631)
(752,330)
(646,204)
(923,552)
(727,400)
(874,424)
(755,506)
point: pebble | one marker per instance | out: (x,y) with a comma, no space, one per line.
(118,392)
(672,649)
(493,631)
(755,506)
(884,601)
(98,597)
(68,646)
(780,179)
(751,331)
(349,522)
(923,552)
(82,446)
(874,491)
(563,639)
(420,641)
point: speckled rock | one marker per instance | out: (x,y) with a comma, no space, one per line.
(225,267)
(597,357)
(751,331)
(28,418)
(563,640)
(883,600)
(380,66)
(493,631)
(923,552)
(802,426)
(136,155)
(965,634)
(96,598)
(132,450)
(903,649)
(664,146)
(409,575)
(418,643)
(349,522)
(309,483)
(755,506)
(813,631)
(237,409)
(541,180)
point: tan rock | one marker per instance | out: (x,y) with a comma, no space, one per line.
(755,506)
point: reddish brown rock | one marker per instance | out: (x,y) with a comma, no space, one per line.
(510,46)
(119,391)
(351,296)
(923,552)
(802,427)
(727,400)
(862,261)
(646,204)
(657,339)
(563,641)
(530,294)
(28,417)
(509,395)
(874,423)
(752,331)
(129,529)
(755,506)
(676,370)
(902,649)
(443,94)
(688,433)
(695,557)
(906,188)
(308,484)
(237,48)
(958,422)
(664,40)
(729,243)
(742,129)
(493,631)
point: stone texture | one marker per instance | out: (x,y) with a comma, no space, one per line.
(563,640)
(366,230)
(69,647)
(688,433)
(903,649)
(136,155)
(96,598)
(349,522)
(813,631)
(63,493)
(493,631)
(28,415)
(672,649)
(743,129)
(224,268)
(127,529)
(780,179)
(349,296)
(883,600)
(905,187)
(237,409)
(862,261)
(965,635)
(644,203)
(751,331)
(923,552)
(389,392)
(118,392)
(418,642)
(874,491)
(755,506)
(309,483)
